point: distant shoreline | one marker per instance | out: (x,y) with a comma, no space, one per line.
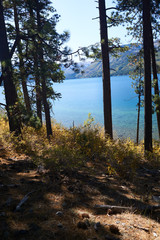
(100,77)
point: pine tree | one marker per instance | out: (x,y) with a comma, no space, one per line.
(147,76)
(21,66)
(131,12)
(106,70)
(7,78)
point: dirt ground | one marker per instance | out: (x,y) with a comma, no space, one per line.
(36,203)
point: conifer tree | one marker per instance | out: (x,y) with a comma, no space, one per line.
(130,12)
(106,70)
(37,56)
(42,72)
(22,72)
(7,78)
(147,76)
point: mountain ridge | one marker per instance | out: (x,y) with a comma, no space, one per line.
(118,66)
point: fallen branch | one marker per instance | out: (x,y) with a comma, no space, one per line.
(141,228)
(23,201)
(120,209)
(115,209)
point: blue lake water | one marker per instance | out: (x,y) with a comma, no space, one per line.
(83,96)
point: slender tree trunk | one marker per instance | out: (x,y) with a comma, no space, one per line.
(9,86)
(21,62)
(42,67)
(139,99)
(138,118)
(155,78)
(106,70)
(147,77)
(36,69)
(46,109)
(38,85)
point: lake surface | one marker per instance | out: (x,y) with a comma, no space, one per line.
(83,96)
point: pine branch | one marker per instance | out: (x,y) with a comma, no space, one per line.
(95,18)
(111,8)
(14,47)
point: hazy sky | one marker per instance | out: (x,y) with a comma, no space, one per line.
(76,17)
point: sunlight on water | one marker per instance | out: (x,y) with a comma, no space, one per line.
(83,96)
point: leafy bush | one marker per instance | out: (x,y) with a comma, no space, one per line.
(123,156)
(74,147)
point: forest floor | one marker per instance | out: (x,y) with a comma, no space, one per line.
(62,204)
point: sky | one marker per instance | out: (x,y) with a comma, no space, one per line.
(76,17)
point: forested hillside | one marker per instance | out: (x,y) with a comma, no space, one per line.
(119,65)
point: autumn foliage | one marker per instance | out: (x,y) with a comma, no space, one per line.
(75,147)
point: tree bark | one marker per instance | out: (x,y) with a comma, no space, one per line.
(147,77)
(21,62)
(38,85)
(36,69)
(139,100)
(155,78)
(106,70)
(138,117)
(9,86)
(42,70)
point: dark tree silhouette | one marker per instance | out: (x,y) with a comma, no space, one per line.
(147,76)
(21,60)
(131,12)
(43,78)
(7,77)
(30,6)
(155,78)
(106,70)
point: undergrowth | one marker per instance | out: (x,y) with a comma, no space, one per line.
(74,147)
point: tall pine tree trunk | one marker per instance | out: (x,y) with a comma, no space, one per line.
(106,70)
(147,77)
(139,99)
(138,114)
(155,78)
(21,62)
(36,67)
(42,67)
(37,82)
(9,86)
(138,118)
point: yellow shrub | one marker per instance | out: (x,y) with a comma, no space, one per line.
(73,147)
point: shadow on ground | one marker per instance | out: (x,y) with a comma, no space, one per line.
(56,201)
